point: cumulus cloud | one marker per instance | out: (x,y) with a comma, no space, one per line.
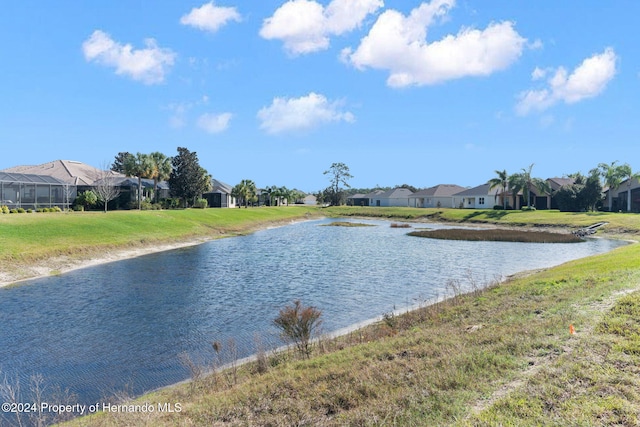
(398,43)
(305,26)
(209,17)
(588,80)
(306,112)
(148,65)
(214,123)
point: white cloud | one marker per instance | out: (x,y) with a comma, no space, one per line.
(209,17)
(398,43)
(214,123)
(538,73)
(148,65)
(536,45)
(306,112)
(588,80)
(305,25)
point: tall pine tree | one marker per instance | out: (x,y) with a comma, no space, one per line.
(188,180)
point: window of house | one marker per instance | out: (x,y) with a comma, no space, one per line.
(481,200)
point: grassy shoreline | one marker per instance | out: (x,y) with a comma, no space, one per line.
(498,356)
(36,245)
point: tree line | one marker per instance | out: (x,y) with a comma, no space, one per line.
(584,194)
(187,181)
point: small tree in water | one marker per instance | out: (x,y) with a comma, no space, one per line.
(298,324)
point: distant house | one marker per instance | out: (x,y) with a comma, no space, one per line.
(439,196)
(129,191)
(220,195)
(363,199)
(357,199)
(549,201)
(394,197)
(83,177)
(627,196)
(480,197)
(310,200)
(70,171)
(30,191)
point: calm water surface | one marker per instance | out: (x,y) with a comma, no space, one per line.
(123,325)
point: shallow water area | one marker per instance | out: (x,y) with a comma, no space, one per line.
(124,325)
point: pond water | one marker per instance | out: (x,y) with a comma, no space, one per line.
(123,325)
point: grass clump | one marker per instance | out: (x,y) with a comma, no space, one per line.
(497,235)
(400,225)
(347,224)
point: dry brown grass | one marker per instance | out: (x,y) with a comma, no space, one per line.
(497,235)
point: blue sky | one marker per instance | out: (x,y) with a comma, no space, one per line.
(401,91)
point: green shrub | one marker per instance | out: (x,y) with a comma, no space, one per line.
(87,199)
(4,209)
(29,210)
(78,208)
(146,205)
(13,211)
(201,204)
(498,208)
(528,208)
(56,209)
(170,203)
(20,210)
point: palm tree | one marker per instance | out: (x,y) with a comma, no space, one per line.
(139,166)
(524,181)
(516,184)
(160,170)
(244,191)
(613,176)
(283,194)
(268,192)
(502,181)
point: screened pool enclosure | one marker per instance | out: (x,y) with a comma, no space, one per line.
(34,191)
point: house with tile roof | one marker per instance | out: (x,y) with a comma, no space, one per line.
(70,171)
(82,177)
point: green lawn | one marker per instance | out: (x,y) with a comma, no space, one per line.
(36,236)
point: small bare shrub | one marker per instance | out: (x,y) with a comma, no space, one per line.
(262,361)
(454,287)
(227,356)
(196,370)
(299,324)
(37,393)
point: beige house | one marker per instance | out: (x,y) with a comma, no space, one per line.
(439,196)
